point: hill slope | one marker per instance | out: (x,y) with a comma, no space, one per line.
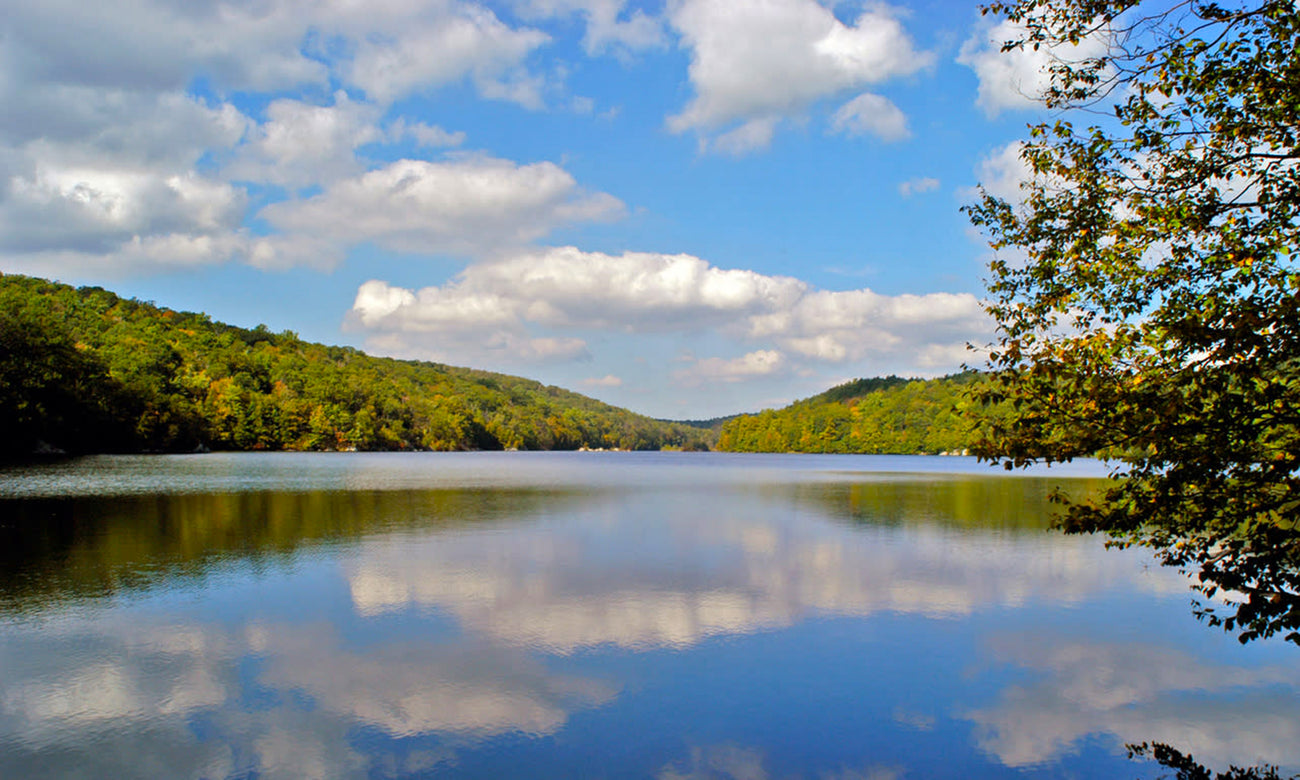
(881,415)
(85,370)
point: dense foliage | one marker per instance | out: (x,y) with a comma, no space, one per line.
(886,415)
(1151,305)
(84,370)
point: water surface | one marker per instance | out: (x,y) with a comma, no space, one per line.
(597,615)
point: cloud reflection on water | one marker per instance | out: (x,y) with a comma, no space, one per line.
(469,618)
(691,565)
(734,762)
(132,710)
(1138,692)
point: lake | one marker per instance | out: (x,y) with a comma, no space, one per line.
(556,615)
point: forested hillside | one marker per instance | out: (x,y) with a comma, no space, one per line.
(881,415)
(83,370)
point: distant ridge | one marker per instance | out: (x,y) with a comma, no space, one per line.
(713,423)
(884,415)
(83,370)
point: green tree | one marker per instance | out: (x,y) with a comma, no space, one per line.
(1150,306)
(51,392)
(86,371)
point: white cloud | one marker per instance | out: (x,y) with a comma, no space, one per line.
(754,365)
(97,126)
(422,133)
(393,47)
(454,42)
(1002,172)
(869,114)
(852,324)
(299,250)
(565,286)
(303,144)
(106,162)
(464,205)
(917,186)
(565,289)
(752,136)
(151,45)
(95,176)
(96,208)
(608,380)
(58,213)
(1019,78)
(763,60)
(170,251)
(609,26)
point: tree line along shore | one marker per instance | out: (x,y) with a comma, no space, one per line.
(83,370)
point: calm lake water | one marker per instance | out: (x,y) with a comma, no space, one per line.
(543,615)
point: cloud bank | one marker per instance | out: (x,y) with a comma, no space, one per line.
(565,290)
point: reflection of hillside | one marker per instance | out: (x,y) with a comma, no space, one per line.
(984,503)
(57,549)
(684,566)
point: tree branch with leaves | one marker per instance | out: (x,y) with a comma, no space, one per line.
(1147,292)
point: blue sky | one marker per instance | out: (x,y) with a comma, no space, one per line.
(689,209)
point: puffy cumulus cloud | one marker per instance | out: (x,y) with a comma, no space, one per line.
(917,186)
(85,125)
(84,208)
(848,325)
(392,47)
(108,178)
(283,252)
(159,45)
(764,60)
(761,363)
(491,307)
(565,286)
(608,380)
(468,346)
(54,217)
(460,206)
(749,137)
(441,44)
(1018,78)
(1138,693)
(869,114)
(1002,172)
(152,254)
(648,293)
(423,134)
(104,155)
(301,144)
(609,25)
